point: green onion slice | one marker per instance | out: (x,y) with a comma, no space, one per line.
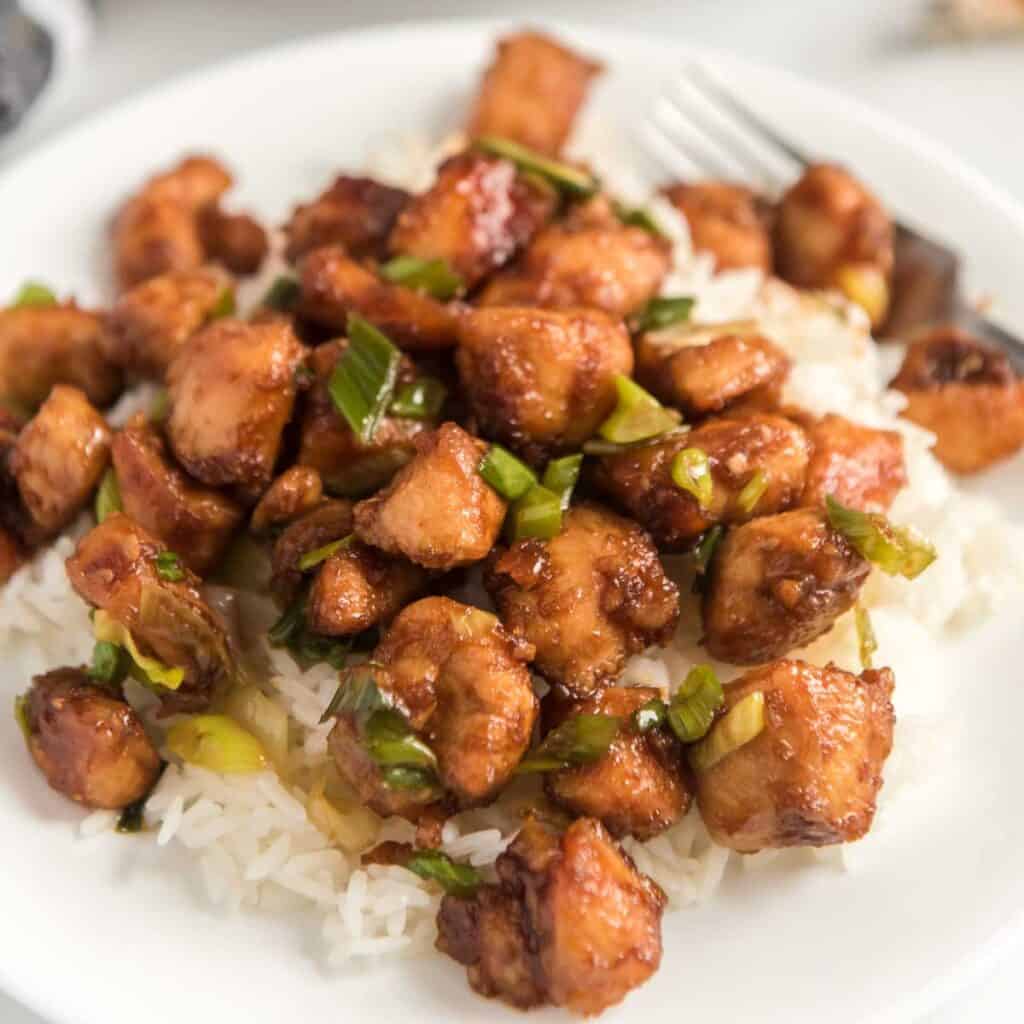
(283,294)
(637,416)
(896,550)
(423,399)
(705,549)
(21,714)
(662,312)
(155,672)
(217,743)
(287,627)
(637,217)
(109,663)
(160,407)
(560,477)
(581,739)
(132,819)
(33,295)
(743,722)
(313,558)
(363,381)
(596,446)
(224,306)
(108,496)
(651,715)
(407,776)
(564,176)
(456,879)
(537,515)
(692,708)
(390,741)
(865,636)
(434,277)
(752,492)
(691,472)
(510,477)
(307,648)
(168,567)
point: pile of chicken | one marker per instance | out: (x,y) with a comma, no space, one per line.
(534,344)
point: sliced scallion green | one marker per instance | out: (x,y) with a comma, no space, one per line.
(224,306)
(598,446)
(509,476)
(537,515)
(21,714)
(705,549)
(866,640)
(109,663)
(283,294)
(563,176)
(408,776)
(168,567)
(581,739)
(390,741)
(33,295)
(150,670)
(560,477)
(691,472)
(896,550)
(659,313)
(651,715)
(456,879)
(292,620)
(160,407)
(433,277)
(423,399)
(638,415)
(313,558)
(692,708)
(752,492)
(637,217)
(108,496)
(742,723)
(217,743)
(363,381)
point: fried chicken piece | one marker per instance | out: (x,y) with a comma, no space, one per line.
(155,235)
(812,775)
(967,394)
(195,182)
(586,599)
(532,91)
(437,511)
(571,922)
(295,492)
(328,522)
(236,240)
(776,584)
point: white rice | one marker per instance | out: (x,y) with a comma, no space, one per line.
(251,837)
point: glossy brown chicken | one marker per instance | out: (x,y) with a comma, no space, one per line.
(296,491)
(329,521)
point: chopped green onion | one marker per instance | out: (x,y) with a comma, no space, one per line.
(33,295)
(321,554)
(510,477)
(283,294)
(286,628)
(637,416)
(865,636)
(456,879)
(752,492)
(108,496)
(160,407)
(21,714)
(692,708)
(109,663)
(637,217)
(743,722)
(407,776)
(434,277)
(305,647)
(133,818)
(563,176)
(581,739)
(651,715)
(691,472)
(596,446)
(359,696)
(661,313)
(390,741)
(217,743)
(537,515)
(168,567)
(705,549)
(896,550)
(423,399)
(560,477)
(153,671)
(224,306)
(363,381)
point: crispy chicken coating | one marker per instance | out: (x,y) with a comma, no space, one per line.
(59,458)
(329,522)
(541,381)
(437,511)
(232,389)
(638,788)
(295,492)
(640,479)
(90,745)
(811,776)
(967,394)
(776,584)
(571,922)
(196,181)
(532,91)
(154,235)
(586,599)
(196,522)
(236,240)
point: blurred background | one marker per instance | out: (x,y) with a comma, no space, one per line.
(953,69)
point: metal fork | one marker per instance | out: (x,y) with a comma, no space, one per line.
(699,129)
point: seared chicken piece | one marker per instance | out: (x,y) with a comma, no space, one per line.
(725,220)
(90,745)
(359,587)
(640,479)
(12,555)
(232,389)
(236,240)
(294,493)
(541,381)
(333,286)
(354,213)
(347,465)
(571,922)
(811,776)
(706,370)
(532,91)
(155,235)
(328,522)
(461,683)
(437,511)
(115,568)
(586,599)
(967,394)
(195,182)
(589,259)
(638,787)
(43,347)
(194,521)
(475,217)
(151,322)
(59,458)
(776,584)
(831,232)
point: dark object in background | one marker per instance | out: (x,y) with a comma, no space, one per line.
(26,61)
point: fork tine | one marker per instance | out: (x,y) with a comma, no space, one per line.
(688,137)
(666,153)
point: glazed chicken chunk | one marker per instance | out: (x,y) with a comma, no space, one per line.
(737,450)
(236,240)
(571,922)
(328,522)
(586,599)
(461,683)
(90,744)
(811,776)
(437,511)
(776,584)
(967,394)
(59,459)
(532,91)
(638,787)
(295,492)
(115,569)
(541,381)
(232,389)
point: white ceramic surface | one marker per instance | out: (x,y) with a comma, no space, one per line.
(109,931)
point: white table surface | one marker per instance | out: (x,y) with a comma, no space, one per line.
(965,96)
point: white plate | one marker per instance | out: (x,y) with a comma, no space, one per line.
(106,932)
